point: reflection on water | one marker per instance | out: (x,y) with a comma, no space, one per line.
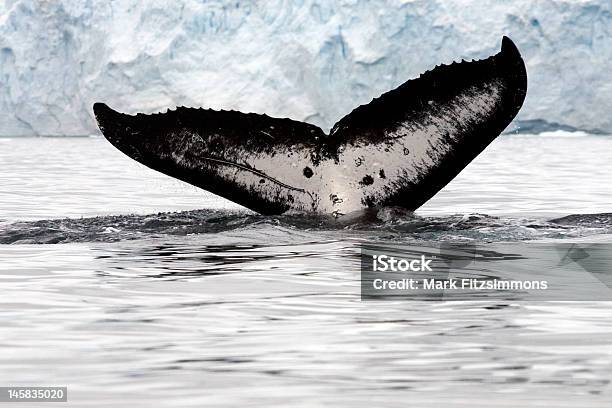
(178,322)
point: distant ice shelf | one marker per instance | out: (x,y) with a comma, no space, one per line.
(308,60)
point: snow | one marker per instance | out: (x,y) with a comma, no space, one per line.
(308,60)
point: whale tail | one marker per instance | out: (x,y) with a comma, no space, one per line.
(398,150)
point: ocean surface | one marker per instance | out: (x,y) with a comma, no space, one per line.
(134,289)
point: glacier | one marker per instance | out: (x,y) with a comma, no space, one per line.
(308,60)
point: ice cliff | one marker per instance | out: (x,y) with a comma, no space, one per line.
(308,60)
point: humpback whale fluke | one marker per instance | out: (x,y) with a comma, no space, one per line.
(398,150)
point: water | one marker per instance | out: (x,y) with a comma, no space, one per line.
(215,306)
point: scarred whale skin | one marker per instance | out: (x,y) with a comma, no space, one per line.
(398,150)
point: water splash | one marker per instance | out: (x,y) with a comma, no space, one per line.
(388,224)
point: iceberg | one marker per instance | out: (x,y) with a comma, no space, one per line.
(311,61)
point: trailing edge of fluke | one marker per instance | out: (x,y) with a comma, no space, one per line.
(398,150)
